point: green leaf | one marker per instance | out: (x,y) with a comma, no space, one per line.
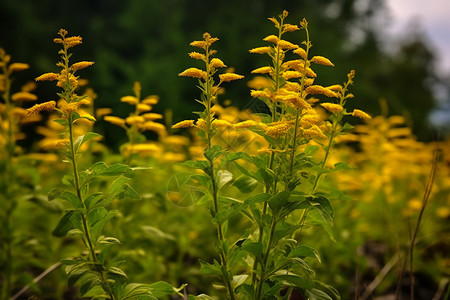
(161,289)
(101,169)
(295,280)
(83,139)
(108,240)
(211,269)
(258,198)
(54,193)
(213,153)
(280,199)
(317,217)
(245,184)
(223,177)
(302,251)
(342,166)
(255,248)
(93,199)
(68,180)
(197,164)
(116,271)
(75,272)
(315,294)
(64,224)
(97,219)
(226,213)
(62,122)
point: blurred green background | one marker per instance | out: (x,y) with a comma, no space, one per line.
(148,41)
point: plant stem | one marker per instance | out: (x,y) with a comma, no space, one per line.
(84,219)
(266,258)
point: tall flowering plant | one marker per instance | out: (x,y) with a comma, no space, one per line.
(279,189)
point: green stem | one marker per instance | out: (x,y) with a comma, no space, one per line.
(266,258)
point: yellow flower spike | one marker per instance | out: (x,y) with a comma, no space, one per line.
(304,23)
(48,77)
(310,120)
(73,41)
(152,116)
(245,124)
(332,107)
(130,100)
(88,116)
(285,45)
(360,114)
(46,106)
(61,143)
(291,74)
(290,28)
(193,72)
(151,100)
(318,89)
(198,44)
(262,70)
(103,111)
(260,94)
(134,120)
(196,55)
(141,107)
(227,77)
(217,63)
(271,38)
(278,130)
(17,67)
(81,65)
(115,120)
(156,127)
(24,96)
(201,123)
(221,123)
(274,21)
(322,61)
(259,82)
(314,132)
(261,50)
(301,52)
(335,87)
(310,73)
(184,124)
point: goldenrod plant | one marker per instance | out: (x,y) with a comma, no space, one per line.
(139,121)
(12,116)
(271,251)
(86,215)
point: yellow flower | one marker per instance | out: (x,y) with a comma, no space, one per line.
(196,55)
(335,87)
(176,140)
(62,143)
(290,28)
(261,50)
(260,94)
(199,44)
(291,74)
(245,124)
(279,129)
(285,45)
(217,63)
(48,77)
(322,61)
(73,41)
(15,67)
(259,82)
(24,96)
(310,73)
(221,123)
(310,120)
(314,132)
(130,100)
(152,116)
(46,106)
(301,52)
(134,120)
(332,107)
(193,72)
(143,107)
(81,65)
(262,70)
(227,77)
(271,38)
(360,114)
(87,116)
(156,127)
(115,120)
(151,100)
(318,89)
(103,111)
(184,124)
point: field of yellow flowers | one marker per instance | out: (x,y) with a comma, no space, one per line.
(303,199)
